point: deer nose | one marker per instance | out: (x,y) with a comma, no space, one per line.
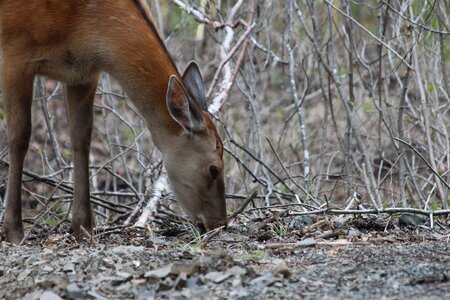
(200,226)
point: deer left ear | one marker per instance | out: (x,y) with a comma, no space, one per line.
(183,112)
(193,81)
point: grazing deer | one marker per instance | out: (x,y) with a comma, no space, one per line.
(73,41)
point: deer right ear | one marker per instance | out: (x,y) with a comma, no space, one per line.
(185,114)
(193,81)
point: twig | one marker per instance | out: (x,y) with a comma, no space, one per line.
(68,189)
(375,200)
(298,103)
(268,51)
(263,164)
(228,80)
(198,15)
(421,26)
(392,210)
(401,149)
(425,161)
(359,142)
(159,187)
(50,128)
(308,243)
(211,234)
(370,33)
(244,205)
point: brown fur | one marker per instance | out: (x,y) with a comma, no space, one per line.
(72,41)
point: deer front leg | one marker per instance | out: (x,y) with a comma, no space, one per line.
(80,99)
(18,93)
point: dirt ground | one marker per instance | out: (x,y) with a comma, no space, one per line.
(361,258)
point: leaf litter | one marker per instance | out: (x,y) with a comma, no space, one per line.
(286,258)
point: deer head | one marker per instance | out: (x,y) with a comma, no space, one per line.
(194,162)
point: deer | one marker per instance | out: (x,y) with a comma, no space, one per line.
(73,41)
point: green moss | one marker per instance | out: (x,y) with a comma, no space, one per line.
(122,102)
(67,154)
(368,106)
(434,206)
(277,78)
(227,155)
(128,134)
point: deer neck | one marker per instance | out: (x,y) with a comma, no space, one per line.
(144,74)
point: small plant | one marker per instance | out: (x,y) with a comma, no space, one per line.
(280,230)
(195,245)
(257,255)
(231,210)
(245,246)
(193,249)
(195,233)
(53,219)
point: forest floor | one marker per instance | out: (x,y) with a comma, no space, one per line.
(309,258)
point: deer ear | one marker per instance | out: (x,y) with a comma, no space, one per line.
(193,81)
(182,111)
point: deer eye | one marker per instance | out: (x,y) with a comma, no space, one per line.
(214,171)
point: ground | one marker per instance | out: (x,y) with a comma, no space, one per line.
(357,259)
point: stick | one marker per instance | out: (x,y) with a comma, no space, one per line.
(244,205)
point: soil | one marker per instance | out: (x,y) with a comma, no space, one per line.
(296,258)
